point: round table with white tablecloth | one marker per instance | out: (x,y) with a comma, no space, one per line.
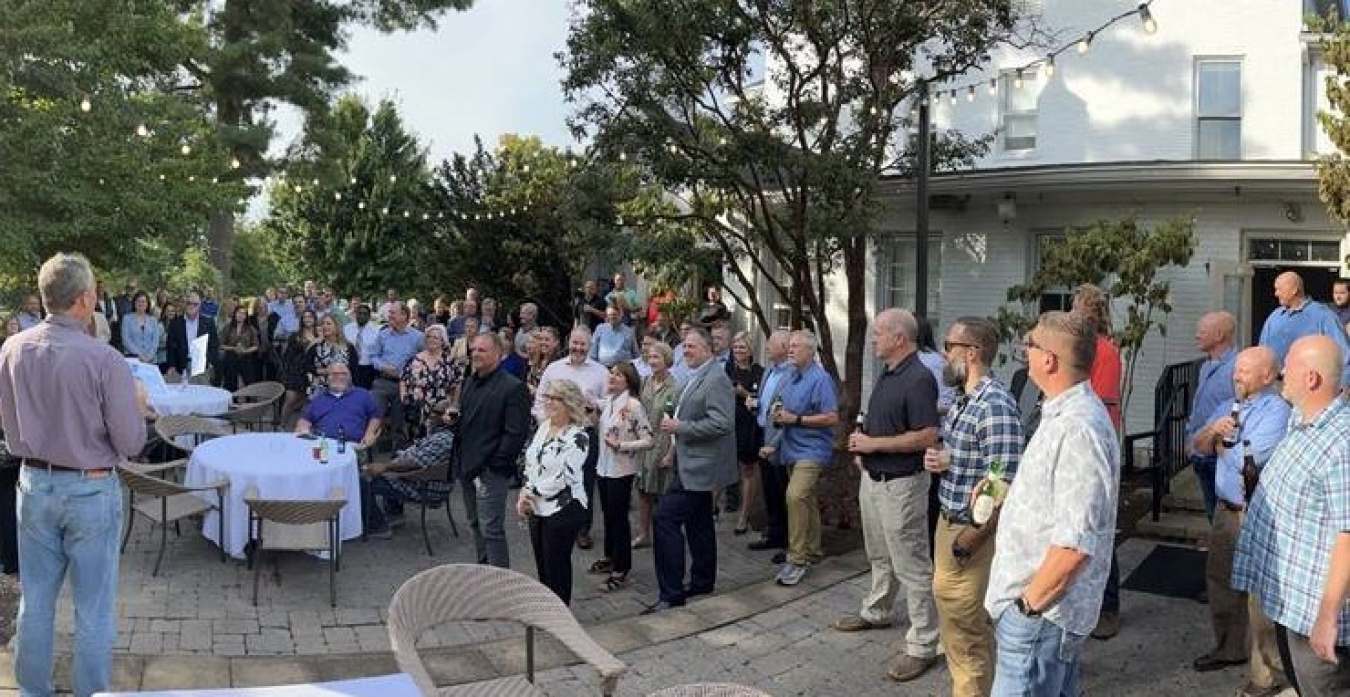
(197,400)
(282,466)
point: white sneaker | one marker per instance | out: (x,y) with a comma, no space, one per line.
(791,574)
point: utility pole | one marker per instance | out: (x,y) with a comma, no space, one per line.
(925,146)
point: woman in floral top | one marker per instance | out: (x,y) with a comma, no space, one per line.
(625,432)
(427,379)
(655,466)
(554,495)
(331,348)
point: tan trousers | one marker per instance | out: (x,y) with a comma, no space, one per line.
(1233,614)
(966,630)
(895,533)
(803,514)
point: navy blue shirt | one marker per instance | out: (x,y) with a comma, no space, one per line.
(903,400)
(350,411)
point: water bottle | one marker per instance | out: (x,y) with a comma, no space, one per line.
(860,423)
(323,450)
(342,441)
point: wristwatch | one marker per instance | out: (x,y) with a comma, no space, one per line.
(1025,608)
(799,419)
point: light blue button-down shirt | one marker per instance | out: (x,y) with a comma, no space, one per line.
(610,346)
(394,349)
(1285,326)
(1216,388)
(1262,421)
(770,388)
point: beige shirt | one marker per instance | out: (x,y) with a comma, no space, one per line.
(68,399)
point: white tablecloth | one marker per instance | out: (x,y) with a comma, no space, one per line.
(397,685)
(197,400)
(282,466)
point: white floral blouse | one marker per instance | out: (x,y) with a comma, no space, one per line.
(553,468)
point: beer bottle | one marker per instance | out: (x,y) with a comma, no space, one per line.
(1230,442)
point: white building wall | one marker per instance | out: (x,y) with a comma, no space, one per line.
(1132,95)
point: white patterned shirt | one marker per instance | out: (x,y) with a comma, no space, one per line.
(1064,495)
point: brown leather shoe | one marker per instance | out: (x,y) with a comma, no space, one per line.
(906,667)
(1108,626)
(857,623)
(1250,690)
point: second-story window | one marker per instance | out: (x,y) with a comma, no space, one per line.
(1218,109)
(1017,110)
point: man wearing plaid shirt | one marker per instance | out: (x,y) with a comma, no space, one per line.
(1294,550)
(433,449)
(983,427)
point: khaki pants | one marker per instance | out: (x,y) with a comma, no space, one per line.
(967,631)
(803,514)
(895,533)
(1233,614)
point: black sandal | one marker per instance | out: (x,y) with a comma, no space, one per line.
(601,566)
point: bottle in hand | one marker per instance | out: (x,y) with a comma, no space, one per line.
(1230,442)
(1250,474)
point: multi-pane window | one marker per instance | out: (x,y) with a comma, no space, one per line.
(1018,95)
(897,273)
(1218,109)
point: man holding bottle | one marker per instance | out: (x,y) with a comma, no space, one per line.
(982,431)
(1248,428)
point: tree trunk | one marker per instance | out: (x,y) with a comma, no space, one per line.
(855,273)
(220,238)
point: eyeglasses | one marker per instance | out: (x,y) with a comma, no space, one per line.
(949,345)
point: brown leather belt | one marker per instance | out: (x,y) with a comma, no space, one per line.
(96,473)
(1234,507)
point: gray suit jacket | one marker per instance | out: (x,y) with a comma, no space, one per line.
(705,445)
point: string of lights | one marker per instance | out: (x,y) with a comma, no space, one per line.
(1046,65)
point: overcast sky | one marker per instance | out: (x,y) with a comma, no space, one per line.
(487,71)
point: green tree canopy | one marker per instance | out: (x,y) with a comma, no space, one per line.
(777,166)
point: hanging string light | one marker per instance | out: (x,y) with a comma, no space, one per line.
(85,105)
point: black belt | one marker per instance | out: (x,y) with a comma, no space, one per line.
(887,476)
(91,473)
(1234,507)
(962,518)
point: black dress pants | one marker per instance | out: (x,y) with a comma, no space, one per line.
(616,494)
(588,478)
(682,514)
(9,526)
(552,538)
(774,480)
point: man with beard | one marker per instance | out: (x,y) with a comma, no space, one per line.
(983,427)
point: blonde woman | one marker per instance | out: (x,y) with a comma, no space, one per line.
(553,497)
(331,348)
(746,376)
(655,466)
(429,378)
(626,431)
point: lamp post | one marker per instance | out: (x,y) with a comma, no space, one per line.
(921,205)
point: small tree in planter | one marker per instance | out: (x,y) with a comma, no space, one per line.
(1123,258)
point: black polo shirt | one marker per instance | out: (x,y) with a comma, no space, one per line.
(903,400)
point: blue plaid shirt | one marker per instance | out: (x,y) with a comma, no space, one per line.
(980,428)
(1284,551)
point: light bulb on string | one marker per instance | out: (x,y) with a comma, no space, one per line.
(1049,68)
(1017,81)
(970,93)
(993,88)
(1146,16)
(100,181)
(235,163)
(353,181)
(192,178)
(623,156)
(337,195)
(186,149)
(299,188)
(953,98)
(161,177)
(384,210)
(426,216)
(1084,44)
(525,169)
(315,183)
(215,180)
(85,105)
(393,178)
(142,131)
(406,214)
(361,206)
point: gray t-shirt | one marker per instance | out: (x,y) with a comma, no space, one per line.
(1064,495)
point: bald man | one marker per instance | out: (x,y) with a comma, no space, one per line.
(1294,551)
(1263,418)
(1299,316)
(1214,337)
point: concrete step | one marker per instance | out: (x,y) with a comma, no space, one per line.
(1184,526)
(1183,504)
